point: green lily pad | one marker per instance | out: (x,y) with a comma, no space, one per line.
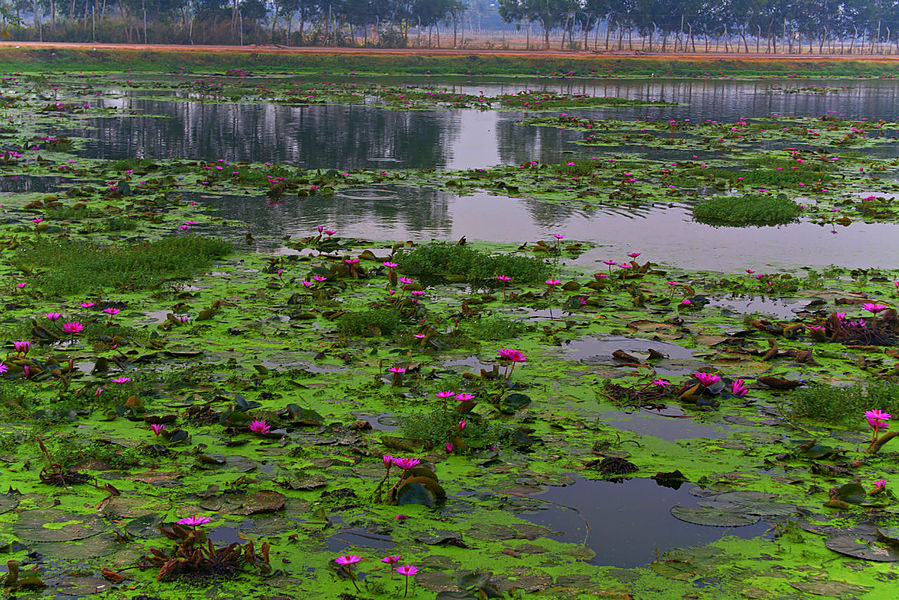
(8,502)
(862,548)
(713,517)
(55,526)
(853,493)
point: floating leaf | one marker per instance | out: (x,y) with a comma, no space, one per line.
(513,402)
(713,517)
(859,547)
(8,502)
(853,493)
(55,526)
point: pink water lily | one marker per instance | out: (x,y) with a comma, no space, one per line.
(877,420)
(73,327)
(194,520)
(406,571)
(53,316)
(347,559)
(260,426)
(157,428)
(406,463)
(464,397)
(707,379)
(22,346)
(738,388)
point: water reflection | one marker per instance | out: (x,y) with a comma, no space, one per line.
(354,136)
(663,234)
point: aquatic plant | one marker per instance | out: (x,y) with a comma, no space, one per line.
(877,420)
(193,555)
(406,571)
(73,268)
(748,209)
(840,405)
(346,561)
(512,356)
(442,260)
(374,322)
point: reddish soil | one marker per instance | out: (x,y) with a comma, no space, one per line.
(309,50)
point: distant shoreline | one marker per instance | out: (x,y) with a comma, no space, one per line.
(53,56)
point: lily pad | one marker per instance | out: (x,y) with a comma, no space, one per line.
(863,548)
(713,517)
(8,502)
(55,526)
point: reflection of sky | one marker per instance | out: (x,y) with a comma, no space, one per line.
(665,235)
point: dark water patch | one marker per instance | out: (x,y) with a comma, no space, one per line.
(757,304)
(20,184)
(471,362)
(355,537)
(225,535)
(599,351)
(670,423)
(630,522)
(379,422)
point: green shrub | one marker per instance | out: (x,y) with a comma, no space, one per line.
(442,260)
(380,321)
(750,209)
(845,406)
(496,327)
(72,268)
(437,427)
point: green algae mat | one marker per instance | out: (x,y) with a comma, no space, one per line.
(189,411)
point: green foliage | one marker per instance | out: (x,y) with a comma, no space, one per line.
(71,268)
(496,327)
(71,451)
(380,321)
(437,427)
(750,209)
(847,405)
(440,260)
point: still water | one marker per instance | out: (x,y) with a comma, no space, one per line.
(346,136)
(665,235)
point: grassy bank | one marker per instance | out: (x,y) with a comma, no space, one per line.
(421,62)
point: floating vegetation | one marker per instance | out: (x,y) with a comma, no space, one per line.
(748,209)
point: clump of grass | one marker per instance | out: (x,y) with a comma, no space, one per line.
(72,268)
(750,209)
(437,427)
(845,406)
(496,327)
(443,260)
(380,321)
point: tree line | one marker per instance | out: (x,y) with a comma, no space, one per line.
(675,25)
(848,26)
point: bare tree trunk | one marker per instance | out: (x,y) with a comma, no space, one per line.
(608,31)
(37,21)
(726,47)
(564,31)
